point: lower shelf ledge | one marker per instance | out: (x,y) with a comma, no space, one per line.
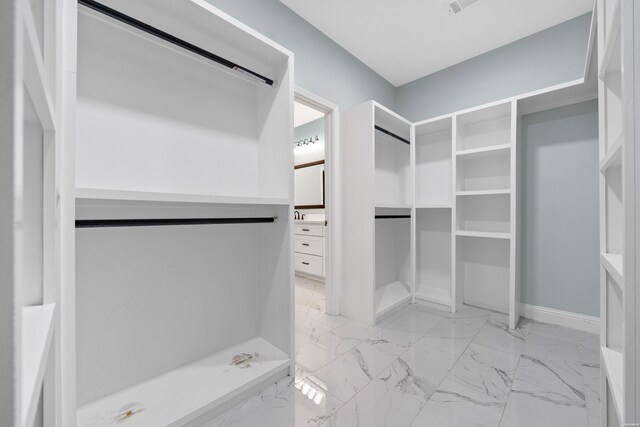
(434,294)
(186,393)
(613,264)
(613,367)
(391,296)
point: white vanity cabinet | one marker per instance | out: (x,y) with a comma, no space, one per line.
(309,249)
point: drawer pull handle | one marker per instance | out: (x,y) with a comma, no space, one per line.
(305,229)
(305,263)
(305,244)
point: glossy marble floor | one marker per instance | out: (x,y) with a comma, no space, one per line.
(424,367)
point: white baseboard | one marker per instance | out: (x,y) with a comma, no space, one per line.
(567,319)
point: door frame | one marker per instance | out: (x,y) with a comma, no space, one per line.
(332,196)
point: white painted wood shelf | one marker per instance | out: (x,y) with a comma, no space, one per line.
(186,393)
(482,192)
(393,206)
(391,296)
(434,206)
(96,197)
(433,294)
(613,264)
(613,155)
(36,336)
(613,368)
(484,234)
(484,151)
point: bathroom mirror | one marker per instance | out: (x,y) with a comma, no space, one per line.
(309,185)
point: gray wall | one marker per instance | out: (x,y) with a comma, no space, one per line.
(560,209)
(321,66)
(555,55)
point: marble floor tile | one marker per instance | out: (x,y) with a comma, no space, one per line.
(272,407)
(527,409)
(497,335)
(346,375)
(311,329)
(311,357)
(314,405)
(592,394)
(392,399)
(445,410)
(481,376)
(429,366)
(451,335)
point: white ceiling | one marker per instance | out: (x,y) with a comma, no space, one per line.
(303,114)
(404,40)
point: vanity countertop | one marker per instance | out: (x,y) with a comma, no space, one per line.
(312,222)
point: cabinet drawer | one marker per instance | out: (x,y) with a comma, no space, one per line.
(309,264)
(311,245)
(310,230)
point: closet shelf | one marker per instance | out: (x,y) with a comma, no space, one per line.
(391,296)
(96,197)
(393,205)
(613,264)
(486,234)
(613,367)
(433,294)
(484,151)
(482,192)
(434,206)
(182,395)
(37,334)
(613,155)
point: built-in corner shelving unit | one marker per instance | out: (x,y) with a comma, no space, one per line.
(378,209)
(434,235)
(183,182)
(30,173)
(485,208)
(617,53)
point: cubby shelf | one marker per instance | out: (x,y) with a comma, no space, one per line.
(613,368)
(391,296)
(434,206)
(433,294)
(613,264)
(393,206)
(93,196)
(184,394)
(36,336)
(482,192)
(484,151)
(485,234)
(613,156)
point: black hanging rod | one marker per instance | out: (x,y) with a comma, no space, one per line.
(392,216)
(155,222)
(391,134)
(99,7)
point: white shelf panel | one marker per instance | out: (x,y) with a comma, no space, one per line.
(434,206)
(613,264)
(391,296)
(482,192)
(613,367)
(433,294)
(393,206)
(35,79)
(613,156)
(36,336)
(179,396)
(484,151)
(485,234)
(94,196)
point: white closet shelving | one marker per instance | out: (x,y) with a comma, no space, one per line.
(378,208)
(163,134)
(434,236)
(486,208)
(617,51)
(30,168)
